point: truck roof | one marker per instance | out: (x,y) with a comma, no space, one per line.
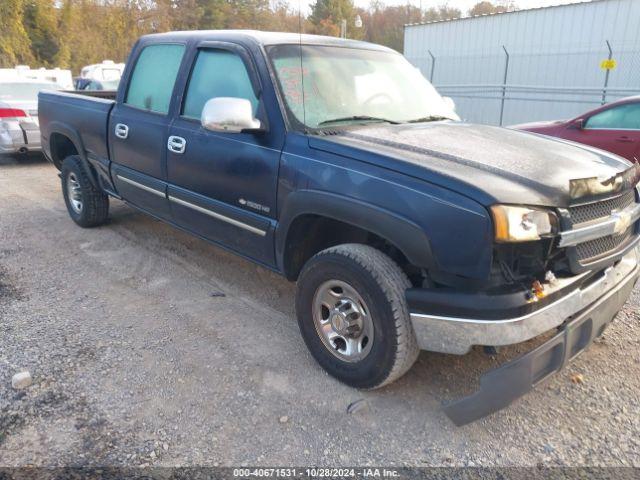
(263,38)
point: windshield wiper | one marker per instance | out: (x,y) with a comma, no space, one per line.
(431,118)
(357,117)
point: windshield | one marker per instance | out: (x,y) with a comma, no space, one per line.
(25,91)
(347,86)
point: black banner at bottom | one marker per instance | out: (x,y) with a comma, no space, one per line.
(295,473)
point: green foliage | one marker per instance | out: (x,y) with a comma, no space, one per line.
(213,14)
(442,12)
(385,25)
(41,25)
(15,45)
(74,33)
(485,7)
(327,16)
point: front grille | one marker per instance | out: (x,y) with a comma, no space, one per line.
(583,215)
(600,247)
(595,211)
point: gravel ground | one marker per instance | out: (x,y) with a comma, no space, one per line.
(150,347)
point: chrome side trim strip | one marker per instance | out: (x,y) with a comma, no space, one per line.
(141,186)
(218,216)
(457,335)
(618,223)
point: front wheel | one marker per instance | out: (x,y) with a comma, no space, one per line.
(87,205)
(353,315)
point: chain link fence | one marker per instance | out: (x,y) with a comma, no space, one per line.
(508,86)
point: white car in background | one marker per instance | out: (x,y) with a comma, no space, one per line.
(25,73)
(108,70)
(19,127)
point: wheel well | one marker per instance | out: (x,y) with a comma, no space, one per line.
(310,234)
(61,148)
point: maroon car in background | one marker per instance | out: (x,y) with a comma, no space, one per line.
(614,127)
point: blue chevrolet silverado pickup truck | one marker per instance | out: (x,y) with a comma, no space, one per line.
(336,164)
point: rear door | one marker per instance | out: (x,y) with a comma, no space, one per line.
(616,130)
(138,128)
(223,185)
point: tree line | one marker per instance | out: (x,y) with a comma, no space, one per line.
(74,33)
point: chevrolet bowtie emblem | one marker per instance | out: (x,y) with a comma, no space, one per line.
(623,222)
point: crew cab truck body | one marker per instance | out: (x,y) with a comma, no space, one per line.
(336,164)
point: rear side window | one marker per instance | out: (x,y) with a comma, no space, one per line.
(624,117)
(153,77)
(217,73)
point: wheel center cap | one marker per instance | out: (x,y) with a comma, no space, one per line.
(339,323)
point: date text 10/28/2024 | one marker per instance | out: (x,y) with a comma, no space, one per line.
(316,472)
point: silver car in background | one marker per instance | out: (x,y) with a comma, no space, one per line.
(19,128)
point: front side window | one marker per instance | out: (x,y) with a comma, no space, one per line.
(154,76)
(330,86)
(623,117)
(217,73)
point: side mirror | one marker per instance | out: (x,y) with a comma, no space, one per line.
(577,124)
(448,101)
(229,114)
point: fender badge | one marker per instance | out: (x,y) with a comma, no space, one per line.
(254,205)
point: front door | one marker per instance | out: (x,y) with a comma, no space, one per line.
(138,129)
(222,185)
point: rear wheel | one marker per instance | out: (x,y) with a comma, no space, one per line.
(87,205)
(353,315)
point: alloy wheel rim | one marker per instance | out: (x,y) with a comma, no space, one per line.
(343,321)
(74,193)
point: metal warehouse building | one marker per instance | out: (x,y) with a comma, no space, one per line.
(539,64)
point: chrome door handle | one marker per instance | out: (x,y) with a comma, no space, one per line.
(176,144)
(122,130)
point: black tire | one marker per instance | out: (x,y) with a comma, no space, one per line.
(381,284)
(94,203)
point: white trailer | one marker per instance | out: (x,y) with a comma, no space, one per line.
(58,76)
(107,70)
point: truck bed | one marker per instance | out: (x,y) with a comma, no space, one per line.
(86,113)
(105,94)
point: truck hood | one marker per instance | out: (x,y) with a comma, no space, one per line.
(488,164)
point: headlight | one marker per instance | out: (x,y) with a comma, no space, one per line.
(522,224)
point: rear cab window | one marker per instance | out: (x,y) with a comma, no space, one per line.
(154,77)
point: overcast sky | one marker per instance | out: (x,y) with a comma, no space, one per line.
(464,5)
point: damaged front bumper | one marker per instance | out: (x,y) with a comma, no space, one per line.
(449,334)
(582,316)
